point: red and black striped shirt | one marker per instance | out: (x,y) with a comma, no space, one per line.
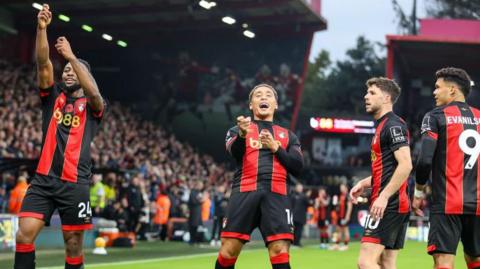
(450,150)
(391,134)
(258,167)
(68,126)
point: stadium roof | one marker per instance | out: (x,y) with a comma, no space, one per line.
(149,20)
(439,44)
(413,59)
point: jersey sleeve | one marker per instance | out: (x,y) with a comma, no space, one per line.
(397,135)
(430,125)
(234,144)
(48,95)
(292,157)
(98,115)
(428,147)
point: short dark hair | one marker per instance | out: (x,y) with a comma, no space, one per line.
(262,85)
(386,85)
(457,76)
(85,63)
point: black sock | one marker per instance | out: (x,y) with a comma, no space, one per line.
(74,262)
(281,261)
(281,266)
(24,256)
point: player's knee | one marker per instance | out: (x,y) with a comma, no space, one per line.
(387,264)
(278,247)
(73,244)
(230,249)
(24,236)
(364,263)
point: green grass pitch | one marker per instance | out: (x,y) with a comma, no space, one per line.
(181,256)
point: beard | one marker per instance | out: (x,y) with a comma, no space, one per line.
(69,89)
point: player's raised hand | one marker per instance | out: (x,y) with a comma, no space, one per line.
(355,192)
(44,17)
(267,140)
(243,124)
(64,49)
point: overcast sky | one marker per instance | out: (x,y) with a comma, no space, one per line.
(348,19)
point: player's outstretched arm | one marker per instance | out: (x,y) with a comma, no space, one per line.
(44,65)
(85,78)
(400,175)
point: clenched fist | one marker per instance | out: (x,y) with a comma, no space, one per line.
(243,123)
(44,17)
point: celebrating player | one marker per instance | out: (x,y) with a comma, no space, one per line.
(449,149)
(386,226)
(266,155)
(71,111)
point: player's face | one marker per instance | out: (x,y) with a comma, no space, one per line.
(263,103)
(374,99)
(69,76)
(443,92)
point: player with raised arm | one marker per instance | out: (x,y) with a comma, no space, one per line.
(450,147)
(386,226)
(71,113)
(266,156)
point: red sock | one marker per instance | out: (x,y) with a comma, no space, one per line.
(223,263)
(74,262)
(474,265)
(24,256)
(281,261)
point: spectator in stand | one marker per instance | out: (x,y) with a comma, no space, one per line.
(300,203)
(197,197)
(220,200)
(17,195)
(135,203)
(162,213)
(97,195)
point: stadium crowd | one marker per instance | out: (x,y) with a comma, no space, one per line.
(140,167)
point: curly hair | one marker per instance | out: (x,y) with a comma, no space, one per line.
(457,76)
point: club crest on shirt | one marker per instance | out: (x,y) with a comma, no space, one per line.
(81,107)
(281,135)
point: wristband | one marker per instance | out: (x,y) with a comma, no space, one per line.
(419,194)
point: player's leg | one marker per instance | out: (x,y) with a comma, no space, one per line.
(443,261)
(36,210)
(28,229)
(73,204)
(346,237)
(73,249)
(471,240)
(278,251)
(276,226)
(243,215)
(443,238)
(369,257)
(385,233)
(388,260)
(228,253)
